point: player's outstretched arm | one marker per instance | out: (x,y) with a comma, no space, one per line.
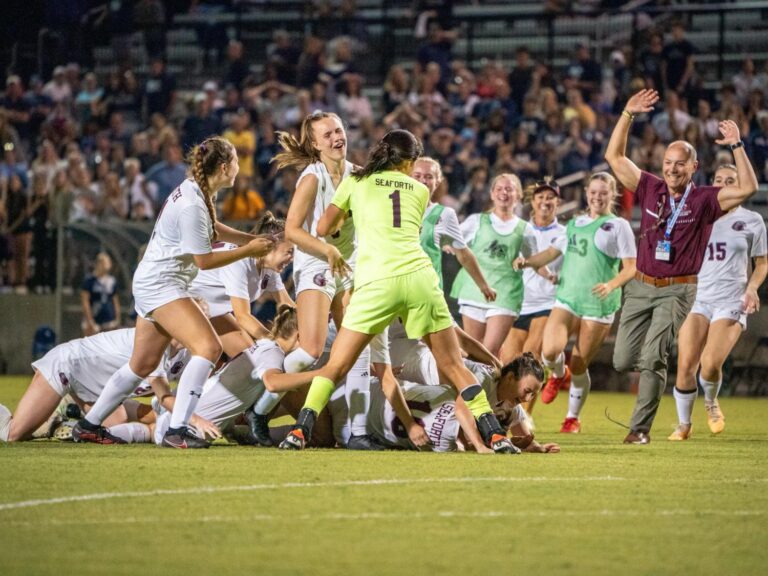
(746,184)
(616,152)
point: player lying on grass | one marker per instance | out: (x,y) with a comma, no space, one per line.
(81,368)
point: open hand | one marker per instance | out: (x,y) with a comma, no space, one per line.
(601,290)
(336,261)
(418,436)
(642,102)
(751,301)
(730,131)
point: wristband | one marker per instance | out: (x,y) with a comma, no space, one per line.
(628,114)
(739,144)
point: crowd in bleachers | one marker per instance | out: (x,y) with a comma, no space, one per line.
(79,147)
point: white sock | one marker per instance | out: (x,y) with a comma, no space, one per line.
(577,395)
(298,361)
(557,366)
(267,402)
(5,423)
(190,389)
(117,389)
(711,389)
(131,432)
(357,391)
(684,400)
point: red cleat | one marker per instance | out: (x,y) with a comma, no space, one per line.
(570,426)
(554,385)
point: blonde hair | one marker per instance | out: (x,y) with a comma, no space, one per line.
(286,323)
(300,153)
(433,162)
(611,181)
(514,177)
(204,160)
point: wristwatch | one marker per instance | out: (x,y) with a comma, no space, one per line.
(739,144)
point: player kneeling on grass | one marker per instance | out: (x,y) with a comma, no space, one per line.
(80,368)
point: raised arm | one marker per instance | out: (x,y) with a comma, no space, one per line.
(731,196)
(616,153)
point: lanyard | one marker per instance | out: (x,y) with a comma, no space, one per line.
(676,211)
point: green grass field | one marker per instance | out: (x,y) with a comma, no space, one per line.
(599,507)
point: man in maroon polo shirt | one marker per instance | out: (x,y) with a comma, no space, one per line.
(677,218)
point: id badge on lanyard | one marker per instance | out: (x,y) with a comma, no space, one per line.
(664,247)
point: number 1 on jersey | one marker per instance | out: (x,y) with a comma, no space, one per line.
(395,196)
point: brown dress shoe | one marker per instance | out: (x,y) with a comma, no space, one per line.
(637,438)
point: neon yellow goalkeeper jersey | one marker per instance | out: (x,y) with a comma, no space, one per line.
(388,208)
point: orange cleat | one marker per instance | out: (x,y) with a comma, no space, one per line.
(570,426)
(554,385)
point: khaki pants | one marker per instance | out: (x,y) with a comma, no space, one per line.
(650,320)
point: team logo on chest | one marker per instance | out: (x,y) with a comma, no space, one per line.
(264,282)
(607,226)
(739,226)
(496,250)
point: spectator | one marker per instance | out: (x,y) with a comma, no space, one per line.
(577,108)
(551,140)
(531,119)
(650,62)
(671,124)
(165,176)
(341,61)
(136,191)
(648,153)
(677,61)
(311,62)
(201,124)
(242,202)
(17,214)
(149,17)
(58,89)
(396,88)
(584,73)
(15,108)
(43,239)
(273,99)
(159,91)
(233,104)
(146,149)
(114,201)
(746,81)
(241,136)
(285,57)
(47,161)
(758,146)
(354,107)
(9,137)
(322,97)
(87,100)
(706,121)
(521,76)
(39,105)
(99,298)
(523,161)
(438,49)
(575,150)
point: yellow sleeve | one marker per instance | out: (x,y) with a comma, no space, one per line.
(342,197)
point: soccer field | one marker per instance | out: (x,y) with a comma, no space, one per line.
(599,507)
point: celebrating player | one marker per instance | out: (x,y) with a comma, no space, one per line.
(497,237)
(725,295)
(180,245)
(595,244)
(393,277)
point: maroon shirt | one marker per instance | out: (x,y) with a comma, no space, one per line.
(690,234)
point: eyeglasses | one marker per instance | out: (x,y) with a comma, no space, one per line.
(547,184)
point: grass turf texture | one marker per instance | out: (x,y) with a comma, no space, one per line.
(698,507)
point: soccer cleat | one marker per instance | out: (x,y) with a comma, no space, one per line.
(554,385)
(88,433)
(63,431)
(183,439)
(500,444)
(715,417)
(364,442)
(682,432)
(639,438)
(570,426)
(294,441)
(258,425)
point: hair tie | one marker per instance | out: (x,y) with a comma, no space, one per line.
(203,148)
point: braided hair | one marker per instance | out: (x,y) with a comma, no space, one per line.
(300,153)
(204,160)
(396,147)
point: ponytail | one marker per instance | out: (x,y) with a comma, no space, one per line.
(397,147)
(204,160)
(269,224)
(286,322)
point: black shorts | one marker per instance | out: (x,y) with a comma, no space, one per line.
(523,322)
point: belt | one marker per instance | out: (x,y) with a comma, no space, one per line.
(662,282)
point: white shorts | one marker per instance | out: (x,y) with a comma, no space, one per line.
(600,319)
(722,311)
(481,314)
(418,363)
(55,368)
(316,277)
(148,299)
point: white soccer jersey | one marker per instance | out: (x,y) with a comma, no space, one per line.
(344,239)
(539,292)
(447,229)
(83,366)
(615,238)
(238,385)
(736,238)
(183,229)
(241,279)
(434,407)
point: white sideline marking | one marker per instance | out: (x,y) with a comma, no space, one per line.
(446,514)
(252,487)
